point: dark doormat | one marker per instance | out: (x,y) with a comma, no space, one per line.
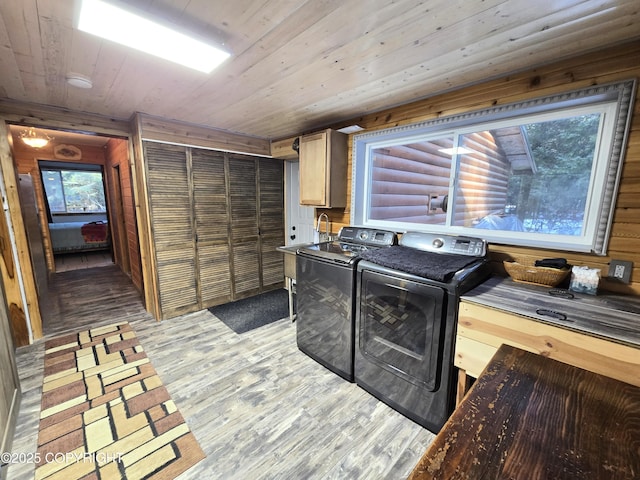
(253,312)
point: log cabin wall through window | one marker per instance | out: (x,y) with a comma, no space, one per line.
(405,176)
(410,183)
(483,177)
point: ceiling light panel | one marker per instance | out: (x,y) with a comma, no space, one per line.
(121,25)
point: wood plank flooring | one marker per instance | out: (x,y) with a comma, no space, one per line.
(259,407)
(74,261)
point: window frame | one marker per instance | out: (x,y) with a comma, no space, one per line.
(614,101)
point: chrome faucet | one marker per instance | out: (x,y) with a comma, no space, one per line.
(325,236)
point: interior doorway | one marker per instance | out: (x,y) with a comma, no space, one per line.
(299,219)
(111,157)
(77,214)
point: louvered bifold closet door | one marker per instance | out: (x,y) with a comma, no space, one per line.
(172,227)
(212,226)
(271,208)
(244,226)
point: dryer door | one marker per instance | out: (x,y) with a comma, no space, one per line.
(400,327)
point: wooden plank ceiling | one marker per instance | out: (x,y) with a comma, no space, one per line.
(298,65)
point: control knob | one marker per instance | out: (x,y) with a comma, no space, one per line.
(438,243)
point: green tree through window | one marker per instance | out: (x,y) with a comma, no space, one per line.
(563,151)
(74,191)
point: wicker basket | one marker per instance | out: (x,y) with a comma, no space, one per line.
(525,271)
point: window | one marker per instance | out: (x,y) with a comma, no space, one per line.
(73,190)
(542,173)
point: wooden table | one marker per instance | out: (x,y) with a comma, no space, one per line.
(533,418)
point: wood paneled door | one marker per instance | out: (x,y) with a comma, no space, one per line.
(211,217)
(172,227)
(271,221)
(245,235)
(9,381)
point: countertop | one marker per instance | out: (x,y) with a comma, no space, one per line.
(291,249)
(608,316)
(534,418)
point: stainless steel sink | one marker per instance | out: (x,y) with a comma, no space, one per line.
(293,248)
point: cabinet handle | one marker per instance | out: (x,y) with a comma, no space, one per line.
(550,313)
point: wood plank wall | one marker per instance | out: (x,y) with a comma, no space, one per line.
(180,133)
(118,155)
(404,177)
(479,198)
(609,65)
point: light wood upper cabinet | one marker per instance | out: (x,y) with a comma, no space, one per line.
(323,169)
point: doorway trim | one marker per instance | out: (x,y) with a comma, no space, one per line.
(299,219)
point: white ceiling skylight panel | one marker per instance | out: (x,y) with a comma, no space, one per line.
(119,24)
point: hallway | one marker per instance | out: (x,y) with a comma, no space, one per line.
(90,297)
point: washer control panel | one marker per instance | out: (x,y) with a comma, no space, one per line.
(367,236)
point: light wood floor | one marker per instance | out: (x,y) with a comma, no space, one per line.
(259,407)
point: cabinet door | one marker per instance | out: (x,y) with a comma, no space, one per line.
(244,234)
(172,226)
(271,173)
(313,169)
(210,209)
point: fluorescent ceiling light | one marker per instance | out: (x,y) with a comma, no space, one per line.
(122,26)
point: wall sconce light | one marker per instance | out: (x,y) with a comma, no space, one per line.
(35,139)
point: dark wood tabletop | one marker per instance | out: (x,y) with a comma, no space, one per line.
(529,417)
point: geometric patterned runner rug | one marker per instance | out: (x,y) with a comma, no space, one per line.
(105,413)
